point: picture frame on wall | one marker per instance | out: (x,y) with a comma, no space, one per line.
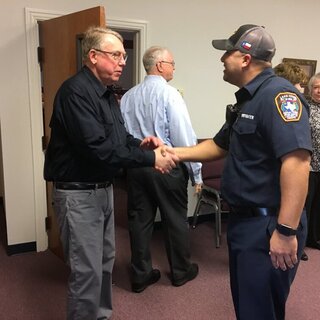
(309,66)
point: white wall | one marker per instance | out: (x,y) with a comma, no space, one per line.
(185,27)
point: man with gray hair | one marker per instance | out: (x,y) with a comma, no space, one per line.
(88,146)
(155,108)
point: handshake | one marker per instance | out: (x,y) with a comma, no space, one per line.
(165,157)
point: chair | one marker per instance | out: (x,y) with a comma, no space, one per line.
(210,195)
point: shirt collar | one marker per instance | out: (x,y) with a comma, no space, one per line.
(154,77)
(98,86)
(312,102)
(248,91)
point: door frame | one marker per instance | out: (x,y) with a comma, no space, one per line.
(32,16)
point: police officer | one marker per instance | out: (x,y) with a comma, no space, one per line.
(267,144)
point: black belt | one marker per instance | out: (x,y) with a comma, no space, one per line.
(81,185)
(249,212)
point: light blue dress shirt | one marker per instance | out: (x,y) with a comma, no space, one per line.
(154,108)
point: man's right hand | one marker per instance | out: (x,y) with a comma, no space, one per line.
(166,159)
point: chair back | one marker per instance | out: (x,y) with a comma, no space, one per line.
(212,172)
(210,194)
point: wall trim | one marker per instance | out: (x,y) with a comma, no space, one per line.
(141,28)
(32,16)
(21,248)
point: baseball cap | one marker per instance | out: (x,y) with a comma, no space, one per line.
(251,39)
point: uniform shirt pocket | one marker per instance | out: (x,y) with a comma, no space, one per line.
(244,138)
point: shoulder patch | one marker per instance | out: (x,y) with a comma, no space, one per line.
(289,106)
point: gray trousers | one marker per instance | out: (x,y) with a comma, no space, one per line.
(86,222)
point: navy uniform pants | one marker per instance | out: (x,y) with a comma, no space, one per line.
(259,291)
(149,190)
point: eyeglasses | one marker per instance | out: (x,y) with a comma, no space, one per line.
(115,55)
(172,62)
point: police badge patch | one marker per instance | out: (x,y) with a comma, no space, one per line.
(289,106)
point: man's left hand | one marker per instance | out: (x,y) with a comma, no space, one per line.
(151,143)
(283,251)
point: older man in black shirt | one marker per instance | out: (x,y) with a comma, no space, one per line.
(88,145)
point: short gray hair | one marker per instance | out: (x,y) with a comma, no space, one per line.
(93,38)
(152,56)
(312,80)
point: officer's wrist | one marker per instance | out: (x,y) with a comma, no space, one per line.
(286,230)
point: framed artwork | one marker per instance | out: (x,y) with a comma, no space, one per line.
(309,66)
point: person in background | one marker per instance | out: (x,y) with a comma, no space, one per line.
(297,76)
(293,73)
(267,144)
(153,107)
(88,146)
(313,198)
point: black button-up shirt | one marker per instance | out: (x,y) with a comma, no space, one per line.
(89,142)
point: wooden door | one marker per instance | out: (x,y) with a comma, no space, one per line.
(59,42)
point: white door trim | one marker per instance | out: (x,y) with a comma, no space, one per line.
(141,28)
(35,108)
(32,16)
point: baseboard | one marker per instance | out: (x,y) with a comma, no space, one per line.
(15,248)
(21,248)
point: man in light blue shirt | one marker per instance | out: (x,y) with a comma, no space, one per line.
(153,107)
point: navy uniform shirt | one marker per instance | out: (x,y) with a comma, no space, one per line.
(89,142)
(272,121)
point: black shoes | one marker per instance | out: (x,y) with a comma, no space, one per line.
(153,277)
(304,256)
(191,274)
